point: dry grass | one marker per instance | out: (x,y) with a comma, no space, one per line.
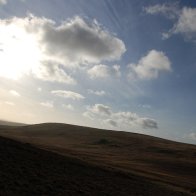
(166,162)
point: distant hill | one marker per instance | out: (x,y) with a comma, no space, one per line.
(158,160)
(4,122)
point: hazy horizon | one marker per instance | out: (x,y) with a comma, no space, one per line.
(122,65)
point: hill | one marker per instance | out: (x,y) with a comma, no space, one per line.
(9,123)
(155,160)
(26,170)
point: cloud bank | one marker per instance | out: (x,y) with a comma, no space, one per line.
(45,48)
(119,119)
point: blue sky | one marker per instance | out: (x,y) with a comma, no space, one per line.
(122,65)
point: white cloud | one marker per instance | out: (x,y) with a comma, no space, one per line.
(104,71)
(119,119)
(68,106)
(146,106)
(41,46)
(39,89)
(89,115)
(68,94)
(14,93)
(150,65)
(48,104)
(9,103)
(191,136)
(77,42)
(125,117)
(148,123)
(52,72)
(170,10)
(111,122)
(185,19)
(100,109)
(98,93)
(186,24)
(3,2)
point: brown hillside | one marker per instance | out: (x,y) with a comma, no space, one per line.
(161,161)
(26,170)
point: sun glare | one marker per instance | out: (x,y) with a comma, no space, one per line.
(19,52)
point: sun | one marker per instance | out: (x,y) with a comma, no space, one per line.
(19,52)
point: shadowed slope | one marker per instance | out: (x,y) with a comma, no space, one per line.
(26,170)
(157,159)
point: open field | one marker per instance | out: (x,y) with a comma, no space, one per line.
(135,160)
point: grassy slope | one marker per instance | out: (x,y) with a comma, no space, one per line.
(26,170)
(160,160)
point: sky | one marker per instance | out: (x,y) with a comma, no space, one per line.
(124,65)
